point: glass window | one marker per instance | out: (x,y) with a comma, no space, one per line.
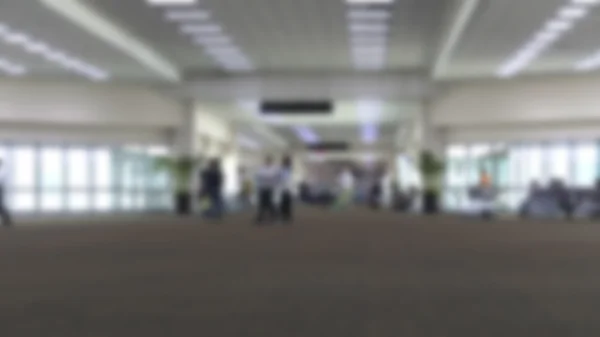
(23,201)
(79,201)
(532,165)
(78,168)
(477,156)
(456,174)
(558,162)
(79,189)
(585,156)
(103,169)
(103,201)
(23,168)
(52,168)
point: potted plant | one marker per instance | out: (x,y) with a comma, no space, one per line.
(432,170)
(181,170)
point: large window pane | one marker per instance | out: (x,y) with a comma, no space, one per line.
(558,162)
(585,158)
(52,168)
(78,166)
(79,182)
(533,164)
(79,201)
(51,201)
(23,168)
(23,201)
(456,174)
(103,169)
(103,201)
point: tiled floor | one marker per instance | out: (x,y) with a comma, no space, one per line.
(354,273)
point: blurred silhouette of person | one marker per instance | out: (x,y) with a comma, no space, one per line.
(286,199)
(4,213)
(212,189)
(246,188)
(267,182)
(346,188)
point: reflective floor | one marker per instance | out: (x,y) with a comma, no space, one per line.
(352,273)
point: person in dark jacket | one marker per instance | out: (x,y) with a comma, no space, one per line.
(212,189)
(286,199)
(4,214)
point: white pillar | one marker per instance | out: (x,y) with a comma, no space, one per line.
(185,142)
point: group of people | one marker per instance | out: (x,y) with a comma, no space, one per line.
(274,191)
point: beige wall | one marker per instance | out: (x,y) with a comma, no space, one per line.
(544,108)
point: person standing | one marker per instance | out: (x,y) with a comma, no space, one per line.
(6,218)
(212,189)
(267,181)
(346,187)
(286,201)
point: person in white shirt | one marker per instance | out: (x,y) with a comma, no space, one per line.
(346,186)
(267,183)
(4,214)
(286,200)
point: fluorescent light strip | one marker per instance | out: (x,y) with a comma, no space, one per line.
(11,68)
(368,30)
(29,44)
(170,2)
(564,20)
(306,134)
(182,15)
(212,38)
(370,2)
(369,133)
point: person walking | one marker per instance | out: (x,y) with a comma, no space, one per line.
(267,181)
(4,213)
(212,189)
(286,198)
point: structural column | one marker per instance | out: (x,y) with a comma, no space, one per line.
(185,140)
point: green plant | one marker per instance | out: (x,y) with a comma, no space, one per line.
(180,169)
(431,169)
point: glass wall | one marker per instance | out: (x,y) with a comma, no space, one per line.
(514,167)
(73,178)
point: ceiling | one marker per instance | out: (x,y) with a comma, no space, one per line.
(293,48)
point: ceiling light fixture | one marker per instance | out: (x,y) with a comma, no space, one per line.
(64,60)
(306,134)
(170,2)
(368,14)
(11,68)
(186,15)
(549,34)
(369,133)
(201,29)
(370,2)
(573,12)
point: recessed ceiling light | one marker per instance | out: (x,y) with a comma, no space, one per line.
(11,68)
(573,12)
(36,47)
(170,2)
(368,15)
(186,15)
(558,25)
(586,2)
(368,28)
(369,2)
(41,49)
(214,40)
(201,29)
(16,38)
